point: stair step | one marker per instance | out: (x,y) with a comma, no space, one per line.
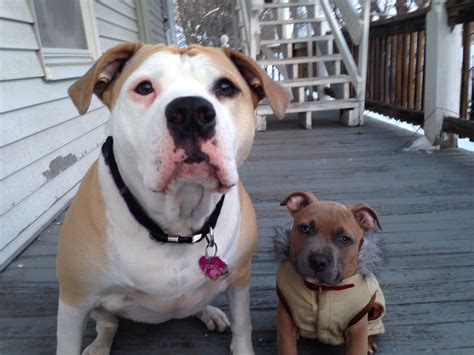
(310,106)
(289,22)
(301,60)
(266,42)
(289,4)
(334,79)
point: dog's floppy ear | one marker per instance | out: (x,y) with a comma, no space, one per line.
(365,216)
(100,75)
(260,83)
(296,201)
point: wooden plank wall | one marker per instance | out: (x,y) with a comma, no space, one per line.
(46,146)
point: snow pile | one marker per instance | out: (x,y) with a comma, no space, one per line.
(463,143)
(400,124)
(421,144)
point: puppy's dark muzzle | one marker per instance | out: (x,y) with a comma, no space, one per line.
(319,262)
(190,117)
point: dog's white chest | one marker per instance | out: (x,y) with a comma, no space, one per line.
(154,306)
(162,285)
(153,282)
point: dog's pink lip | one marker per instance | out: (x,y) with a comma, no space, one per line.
(221,188)
(193,159)
(196,156)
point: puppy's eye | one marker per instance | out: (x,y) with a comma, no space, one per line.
(344,240)
(144,88)
(225,88)
(304,229)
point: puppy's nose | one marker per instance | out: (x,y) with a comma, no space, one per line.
(318,262)
(191,115)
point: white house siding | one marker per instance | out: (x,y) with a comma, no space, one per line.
(157,21)
(116,22)
(45,146)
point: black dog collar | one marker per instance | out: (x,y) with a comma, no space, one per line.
(154,230)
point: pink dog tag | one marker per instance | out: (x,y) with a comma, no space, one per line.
(214,267)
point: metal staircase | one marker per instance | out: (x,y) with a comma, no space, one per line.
(301,44)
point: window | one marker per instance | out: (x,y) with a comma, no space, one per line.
(68,34)
(60,24)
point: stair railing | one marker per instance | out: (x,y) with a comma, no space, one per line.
(357,26)
(247,12)
(358,29)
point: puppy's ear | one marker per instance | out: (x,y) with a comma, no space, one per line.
(100,75)
(296,201)
(365,216)
(260,83)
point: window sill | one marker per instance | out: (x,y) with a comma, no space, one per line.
(65,63)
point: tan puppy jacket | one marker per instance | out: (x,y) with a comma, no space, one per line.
(326,314)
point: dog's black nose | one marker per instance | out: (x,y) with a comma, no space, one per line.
(318,262)
(191,116)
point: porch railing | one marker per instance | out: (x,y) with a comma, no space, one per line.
(396,72)
(395,77)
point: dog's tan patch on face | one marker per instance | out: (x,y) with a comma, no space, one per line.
(219,59)
(131,66)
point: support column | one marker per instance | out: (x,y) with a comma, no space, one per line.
(362,60)
(442,73)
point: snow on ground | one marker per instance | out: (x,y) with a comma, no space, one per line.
(419,143)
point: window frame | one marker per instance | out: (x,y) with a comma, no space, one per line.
(69,63)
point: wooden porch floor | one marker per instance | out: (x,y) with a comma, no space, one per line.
(426,203)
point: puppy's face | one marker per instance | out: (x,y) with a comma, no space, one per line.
(326,237)
(181,116)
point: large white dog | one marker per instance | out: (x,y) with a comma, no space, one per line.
(161,223)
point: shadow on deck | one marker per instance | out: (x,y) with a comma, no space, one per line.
(426,204)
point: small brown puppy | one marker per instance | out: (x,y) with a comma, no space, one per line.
(325,283)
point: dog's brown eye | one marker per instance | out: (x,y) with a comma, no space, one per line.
(144,88)
(304,229)
(225,88)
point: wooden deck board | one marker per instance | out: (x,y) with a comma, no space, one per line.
(426,204)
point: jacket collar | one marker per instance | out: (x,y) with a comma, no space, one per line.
(345,284)
(319,287)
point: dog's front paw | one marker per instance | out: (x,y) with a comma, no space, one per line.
(214,318)
(96,349)
(241,346)
(372,347)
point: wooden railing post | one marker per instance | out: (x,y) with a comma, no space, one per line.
(443,73)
